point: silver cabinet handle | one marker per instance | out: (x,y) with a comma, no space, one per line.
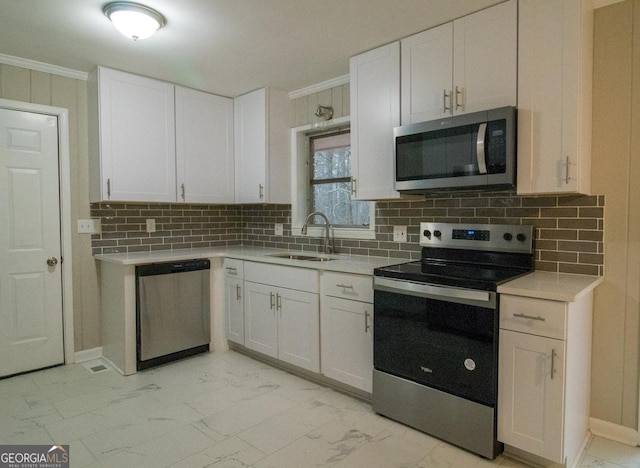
(530,317)
(344,286)
(278,302)
(367,327)
(271,300)
(444,101)
(567,177)
(109,188)
(353,186)
(260,191)
(238,292)
(182,192)
(480,154)
(459,92)
(52,261)
(231,270)
(553,358)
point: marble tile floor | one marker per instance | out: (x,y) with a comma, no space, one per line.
(224,410)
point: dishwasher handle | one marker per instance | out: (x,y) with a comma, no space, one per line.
(165,268)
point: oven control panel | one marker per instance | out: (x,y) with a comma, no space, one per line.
(496,237)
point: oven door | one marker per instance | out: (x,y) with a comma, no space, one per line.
(442,337)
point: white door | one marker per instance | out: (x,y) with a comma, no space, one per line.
(30,288)
(427,75)
(375,111)
(485,59)
(204,147)
(235,310)
(260,320)
(250,134)
(299,328)
(137,138)
(347,341)
(531,394)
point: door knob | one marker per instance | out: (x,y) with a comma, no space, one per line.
(52,261)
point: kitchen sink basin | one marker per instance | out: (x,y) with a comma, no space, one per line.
(308,258)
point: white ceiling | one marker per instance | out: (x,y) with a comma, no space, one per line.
(227,47)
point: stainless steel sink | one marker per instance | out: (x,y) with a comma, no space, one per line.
(308,258)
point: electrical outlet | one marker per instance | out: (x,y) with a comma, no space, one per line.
(279,229)
(399,233)
(151,225)
(89,226)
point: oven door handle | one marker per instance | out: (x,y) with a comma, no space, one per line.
(430,291)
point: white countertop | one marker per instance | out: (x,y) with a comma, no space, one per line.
(563,287)
(358,264)
(538,284)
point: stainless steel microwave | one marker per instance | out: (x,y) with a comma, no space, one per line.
(463,152)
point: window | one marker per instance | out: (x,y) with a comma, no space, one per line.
(321,176)
(330,181)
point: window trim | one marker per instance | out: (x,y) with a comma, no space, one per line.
(300,180)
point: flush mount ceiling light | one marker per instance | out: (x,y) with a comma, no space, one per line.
(134,20)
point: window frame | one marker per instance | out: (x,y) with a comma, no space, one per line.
(300,182)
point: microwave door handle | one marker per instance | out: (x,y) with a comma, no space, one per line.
(480,153)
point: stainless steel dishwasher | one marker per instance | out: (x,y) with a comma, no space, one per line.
(172,311)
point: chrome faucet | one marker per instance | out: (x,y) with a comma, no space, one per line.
(328,247)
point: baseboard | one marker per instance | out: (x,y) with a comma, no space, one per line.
(609,430)
(88,354)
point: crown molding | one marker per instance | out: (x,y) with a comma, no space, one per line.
(42,67)
(316,88)
(604,3)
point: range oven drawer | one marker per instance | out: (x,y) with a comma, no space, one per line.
(445,345)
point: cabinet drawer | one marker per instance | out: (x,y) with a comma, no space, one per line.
(233,268)
(534,316)
(301,279)
(346,286)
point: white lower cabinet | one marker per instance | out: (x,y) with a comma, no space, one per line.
(347,329)
(282,322)
(544,377)
(234,301)
(261,320)
(532,376)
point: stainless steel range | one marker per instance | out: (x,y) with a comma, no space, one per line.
(436,326)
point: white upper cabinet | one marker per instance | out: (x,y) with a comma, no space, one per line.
(427,74)
(204,147)
(151,141)
(262,147)
(375,111)
(133,152)
(465,66)
(554,96)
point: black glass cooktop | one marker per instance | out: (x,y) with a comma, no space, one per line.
(484,277)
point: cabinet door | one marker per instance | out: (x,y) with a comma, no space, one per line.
(375,111)
(347,341)
(427,68)
(204,147)
(261,322)
(531,394)
(250,147)
(554,96)
(485,59)
(299,328)
(234,305)
(137,138)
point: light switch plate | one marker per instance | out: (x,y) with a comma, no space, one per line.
(279,229)
(89,226)
(399,233)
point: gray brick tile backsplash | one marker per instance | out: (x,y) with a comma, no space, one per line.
(568,230)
